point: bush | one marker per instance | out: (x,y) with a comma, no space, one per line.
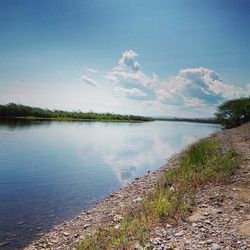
(233,112)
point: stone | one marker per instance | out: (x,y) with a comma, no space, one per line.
(137,246)
(209,242)
(179,234)
(118,217)
(86,226)
(156,241)
(66,234)
(138,199)
(204,205)
(216,247)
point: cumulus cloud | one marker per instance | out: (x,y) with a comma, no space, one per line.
(197,86)
(128,70)
(128,60)
(193,89)
(91,70)
(88,80)
(133,92)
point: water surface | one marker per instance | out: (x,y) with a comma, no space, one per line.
(51,171)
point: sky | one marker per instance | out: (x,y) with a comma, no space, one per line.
(145,57)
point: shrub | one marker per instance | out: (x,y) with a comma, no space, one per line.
(233,112)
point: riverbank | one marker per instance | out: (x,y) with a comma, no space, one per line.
(214,222)
(68,119)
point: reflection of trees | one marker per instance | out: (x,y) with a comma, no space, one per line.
(13,124)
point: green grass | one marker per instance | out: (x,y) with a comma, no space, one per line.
(202,163)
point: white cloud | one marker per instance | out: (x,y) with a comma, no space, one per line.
(137,77)
(129,92)
(91,70)
(128,70)
(211,83)
(193,102)
(88,80)
(128,60)
(194,90)
(197,86)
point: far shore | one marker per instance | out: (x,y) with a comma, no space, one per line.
(69,119)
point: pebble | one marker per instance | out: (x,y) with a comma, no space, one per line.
(86,226)
(209,242)
(138,199)
(66,234)
(137,246)
(179,234)
(216,247)
(204,205)
(156,241)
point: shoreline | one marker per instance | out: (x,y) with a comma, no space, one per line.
(111,210)
(69,234)
(68,119)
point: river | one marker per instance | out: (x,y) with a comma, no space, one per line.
(51,171)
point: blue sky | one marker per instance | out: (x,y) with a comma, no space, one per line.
(145,57)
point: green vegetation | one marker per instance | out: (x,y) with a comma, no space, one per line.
(19,111)
(13,110)
(197,120)
(234,112)
(204,162)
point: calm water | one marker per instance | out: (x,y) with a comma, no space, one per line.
(51,171)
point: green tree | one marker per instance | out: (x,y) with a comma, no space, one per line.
(233,112)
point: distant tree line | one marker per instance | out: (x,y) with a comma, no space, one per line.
(232,113)
(13,110)
(197,120)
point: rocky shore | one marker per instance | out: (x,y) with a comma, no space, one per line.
(220,218)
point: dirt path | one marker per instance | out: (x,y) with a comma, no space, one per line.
(220,220)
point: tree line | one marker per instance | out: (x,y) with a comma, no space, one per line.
(231,113)
(13,110)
